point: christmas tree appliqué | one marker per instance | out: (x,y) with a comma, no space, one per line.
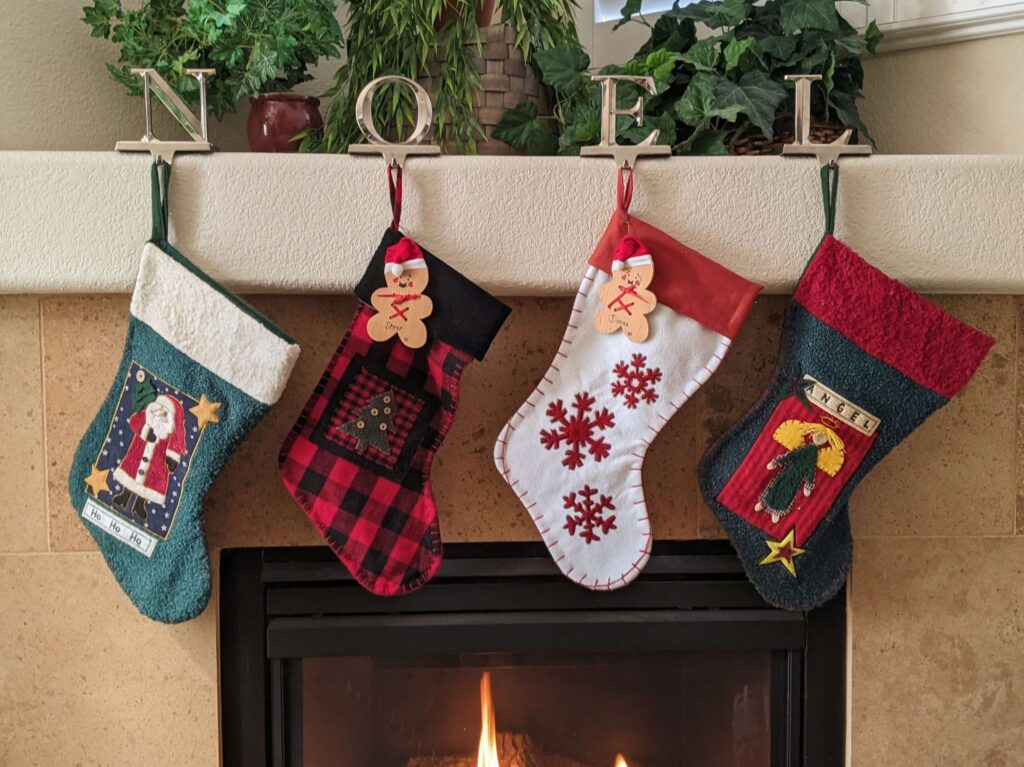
(373,423)
(588,515)
(635,381)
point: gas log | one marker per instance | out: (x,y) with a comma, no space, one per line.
(514,750)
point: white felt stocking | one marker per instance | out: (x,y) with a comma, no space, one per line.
(574,451)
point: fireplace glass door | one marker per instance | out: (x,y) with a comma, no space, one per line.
(580,709)
(501,662)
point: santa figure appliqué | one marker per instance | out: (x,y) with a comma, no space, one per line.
(156,450)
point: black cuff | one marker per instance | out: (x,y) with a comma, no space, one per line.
(465,315)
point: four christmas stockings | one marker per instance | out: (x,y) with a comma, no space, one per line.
(358,459)
(200,369)
(863,362)
(651,321)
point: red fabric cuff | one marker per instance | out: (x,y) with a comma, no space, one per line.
(684,280)
(890,321)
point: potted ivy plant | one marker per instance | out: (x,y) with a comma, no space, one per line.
(718,93)
(260,50)
(439,43)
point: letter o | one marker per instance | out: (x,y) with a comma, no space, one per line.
(364,109)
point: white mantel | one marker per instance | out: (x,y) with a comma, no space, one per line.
(74,222)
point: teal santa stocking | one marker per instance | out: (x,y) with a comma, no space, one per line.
(200,369)
(864,361)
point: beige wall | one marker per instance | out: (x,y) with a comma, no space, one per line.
(55,92)
(961,98)
(937,628)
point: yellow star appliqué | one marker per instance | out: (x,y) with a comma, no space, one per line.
(97,481)
(784,551)
(205,412)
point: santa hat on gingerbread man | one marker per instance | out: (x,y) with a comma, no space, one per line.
(631,253)
(404,255)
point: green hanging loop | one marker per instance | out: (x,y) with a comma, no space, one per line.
(829,193)
(160,177)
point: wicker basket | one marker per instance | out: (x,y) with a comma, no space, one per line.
(753,143)
(507,80)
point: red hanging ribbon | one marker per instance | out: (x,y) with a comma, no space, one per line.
(624,189)
(395,192)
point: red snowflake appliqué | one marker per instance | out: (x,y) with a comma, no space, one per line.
(588,515)
(636,381)
(578,430)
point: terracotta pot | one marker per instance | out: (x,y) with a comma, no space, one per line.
(274,118)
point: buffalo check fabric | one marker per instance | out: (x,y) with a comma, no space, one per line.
(374,507)
(356,392)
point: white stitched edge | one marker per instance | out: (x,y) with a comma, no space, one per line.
(205,325)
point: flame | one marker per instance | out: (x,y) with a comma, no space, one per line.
(487,753)
(619,761)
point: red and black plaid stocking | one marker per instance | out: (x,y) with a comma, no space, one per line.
(358,459)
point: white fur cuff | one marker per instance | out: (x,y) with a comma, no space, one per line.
(202,322)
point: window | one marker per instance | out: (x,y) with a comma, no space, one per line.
(906,23)
(609,10)
(916,23)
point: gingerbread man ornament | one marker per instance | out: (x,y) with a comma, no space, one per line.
(625,299)
(401,305)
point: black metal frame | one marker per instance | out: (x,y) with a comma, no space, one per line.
(279,605)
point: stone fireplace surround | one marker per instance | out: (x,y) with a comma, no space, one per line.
(935,628)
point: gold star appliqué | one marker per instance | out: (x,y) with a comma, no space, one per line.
(205,412)
(784,551)
(97,481)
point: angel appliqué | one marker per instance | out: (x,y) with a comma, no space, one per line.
(810,447)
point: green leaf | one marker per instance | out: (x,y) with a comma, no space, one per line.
(628,11)
(261,68)
(664,123)
(521,128)
(563,67)
(845,107)
(815,53)
(702,56)
(801,15)
(713,13)
(707,141)
(584,124)
(676,35)
(872,36)
(756,95)
(779,47)
(100,15)
(699,105)
(827,74)
(660,65)
(742,54)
